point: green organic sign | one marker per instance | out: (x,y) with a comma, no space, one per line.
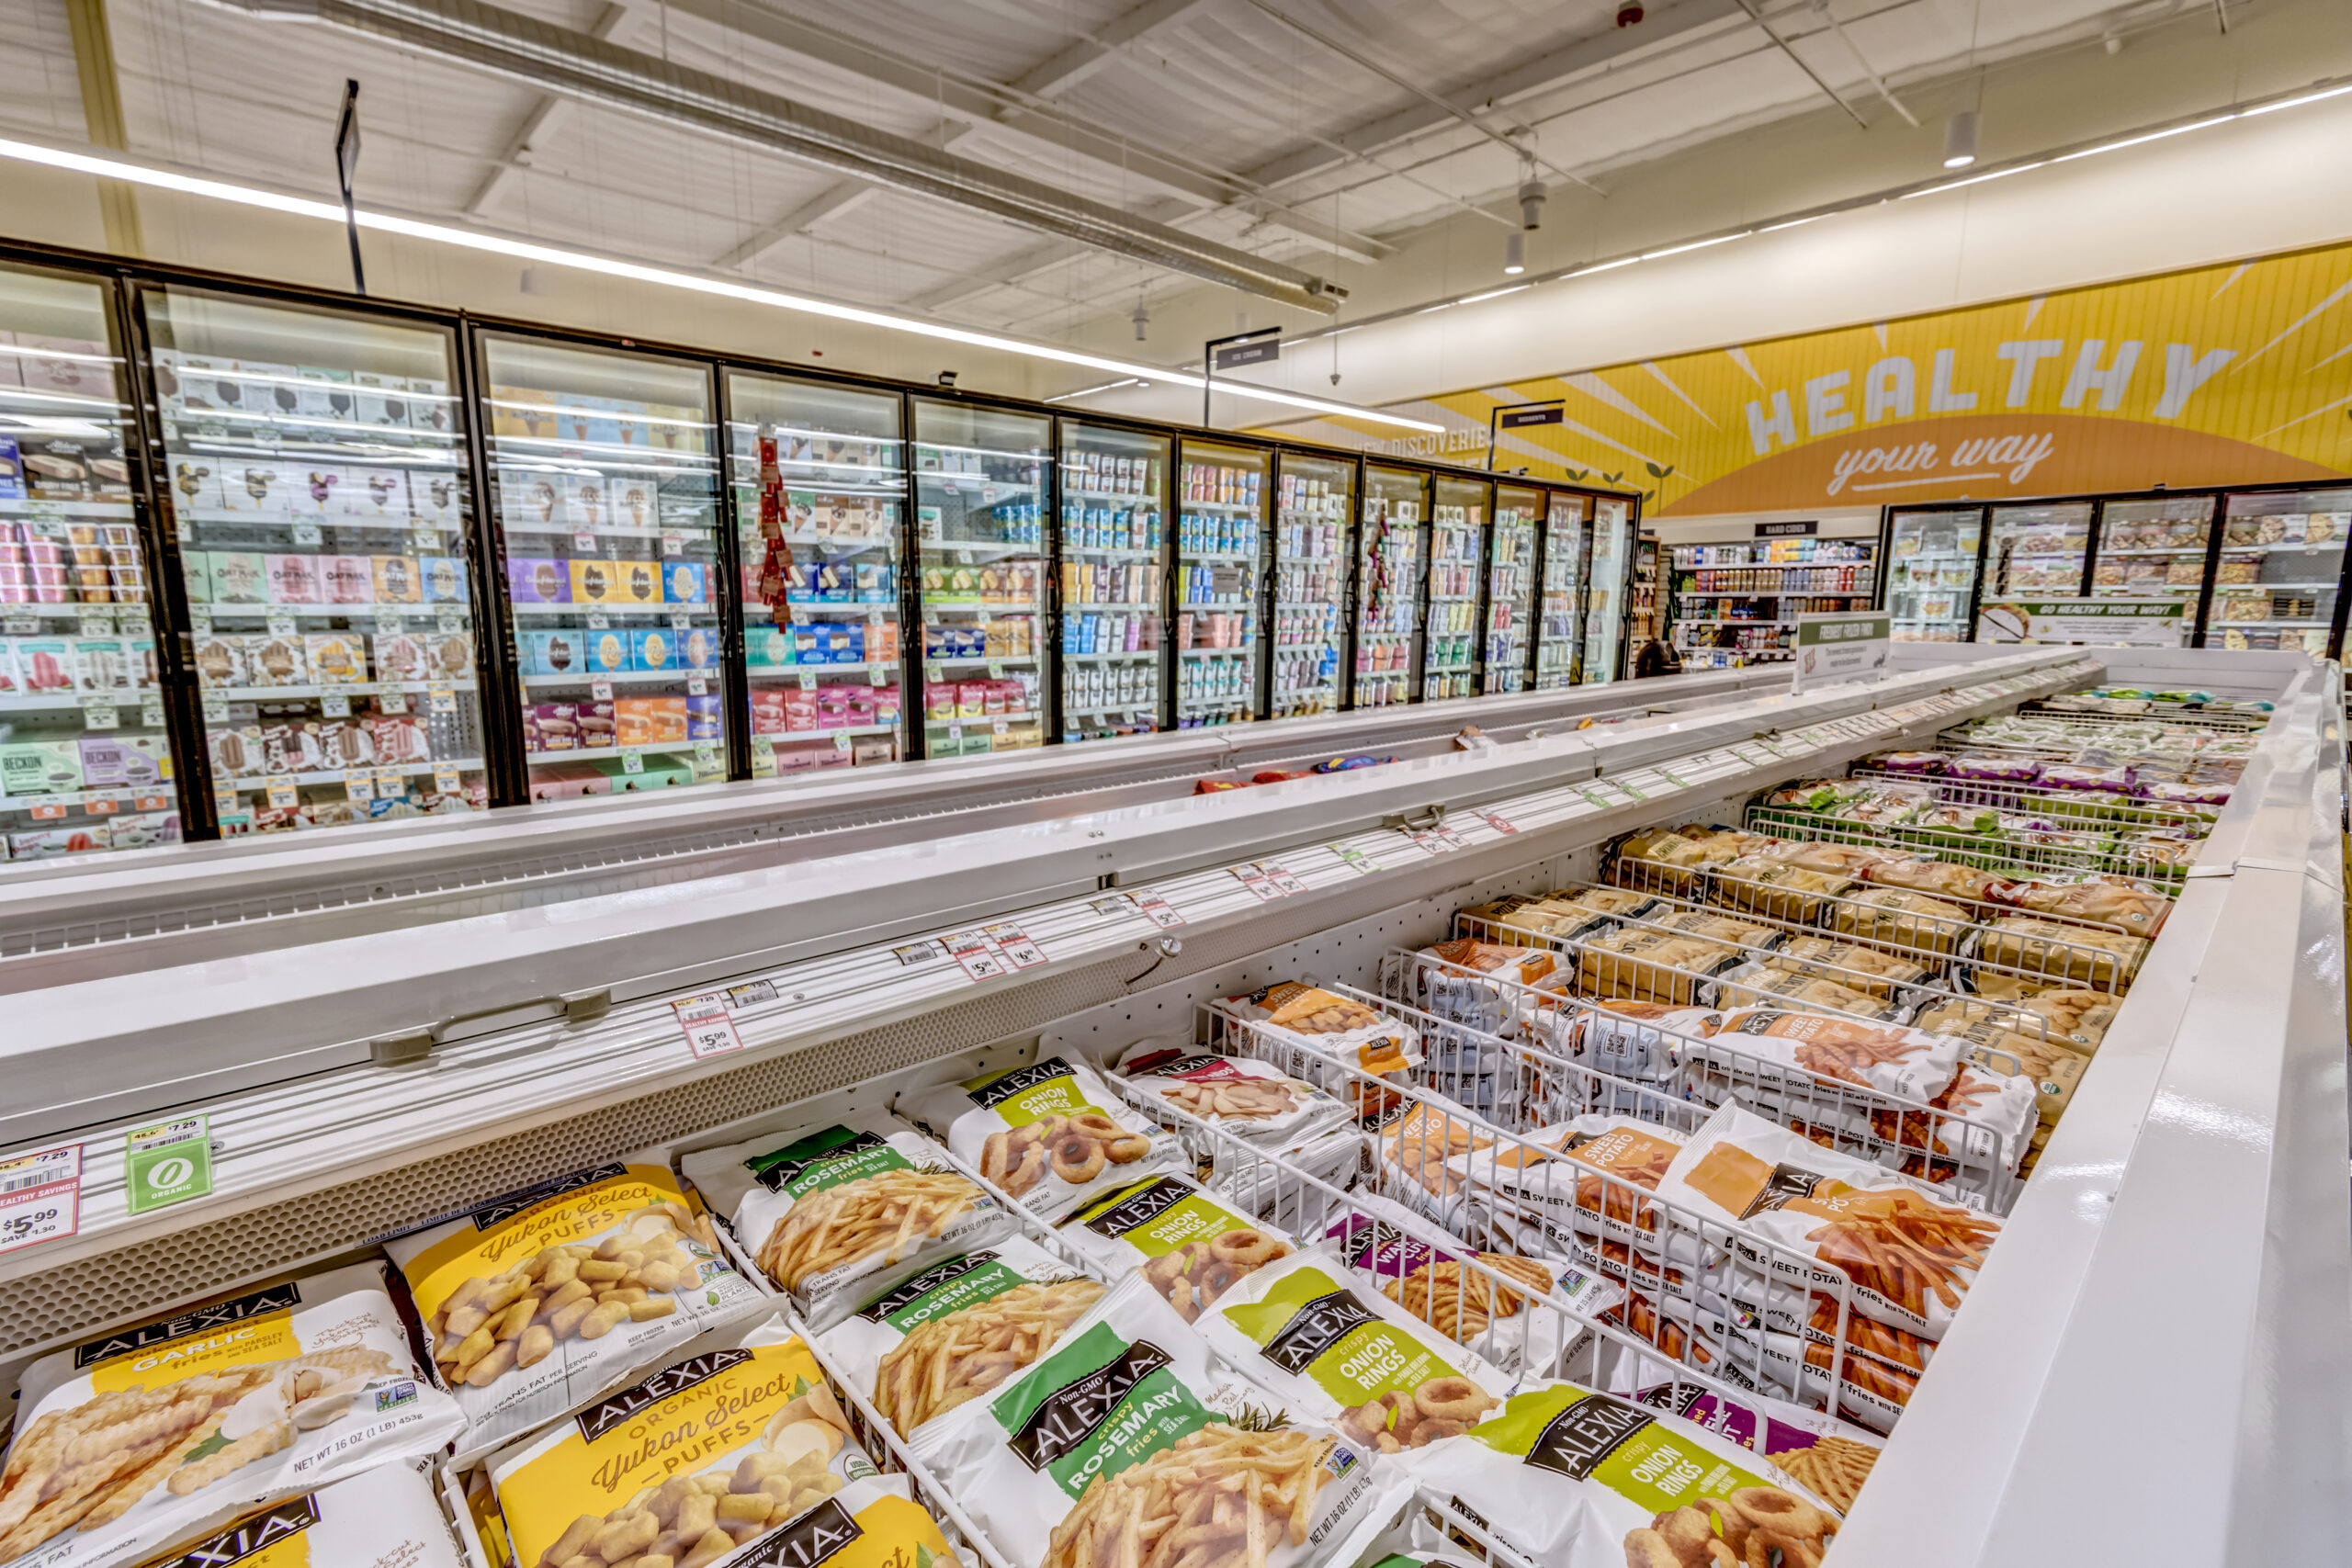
(168,1163)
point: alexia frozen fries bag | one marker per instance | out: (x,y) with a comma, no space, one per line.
(1131,1431)
(153,1434)
(1771,1046)
(728,1448)
(1190,1248)
(958,1329)
(1048,1135)
(1908,1253)
(1579,1478)
(386,1514)
(834,1213)
(1309,1330)
(1248,1097)
(1587,1175)
(1343,1028)
(549,1297)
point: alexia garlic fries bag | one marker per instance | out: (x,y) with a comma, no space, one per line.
(549,1297)
(725,1449)
(155,1432)
(834,1213)
(386,1514)
(1049,1136)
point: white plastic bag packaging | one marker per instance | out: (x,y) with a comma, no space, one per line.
(1247,1098)
(386,1514)
(1188,1246)
(1049,1136)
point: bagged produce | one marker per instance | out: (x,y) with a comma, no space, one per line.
(172,1428)
(1343,1028)
(834,1213)
(385,1515)
(1579,1478)
(1189,1247)
(1049,1136)
(733,1446)
(1245,1097)
(541,1301)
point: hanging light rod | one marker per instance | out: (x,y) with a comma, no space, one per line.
(639,271)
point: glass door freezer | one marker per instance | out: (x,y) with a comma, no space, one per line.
(981,506)
(1112,545)
(1450,637)
(2279,580)
(1510,590)
(1610,584)
(1313,548)
(1559,633)
(1391,551)
(1223,500)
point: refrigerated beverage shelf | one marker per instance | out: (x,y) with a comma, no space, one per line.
(1124,552)
(1149,653)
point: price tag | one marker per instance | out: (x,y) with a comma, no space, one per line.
(306,533)
(99,625)
(681,622)
(999,727)
(389,624)
(874,677)
(148,802)
(449,621)
(633,763)
(186,528)
(975,955)
(915,952)
(168,1163)
(600,691)
(40,1197)
(1249,876)
(1354,859)
(1499,822)
(696,686)
(99,713)
(1670,776)
(359,786)
(102,805)
(446,782)
(1157,910)
(751,995)
(224,803)
(800,614)
(441,699)
(808,681)
(424,539)
(1436,842)
(392,702)
(21,625)
(583,541)
(996,669)
(707,1024)
(841,742)
(282,794)
(1014,943)
(934,672)
(48,809)
(1285,883)
(674,545)
(599,622)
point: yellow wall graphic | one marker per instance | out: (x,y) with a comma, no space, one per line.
(2236,373)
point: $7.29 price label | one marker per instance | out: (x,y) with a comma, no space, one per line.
(40,1197)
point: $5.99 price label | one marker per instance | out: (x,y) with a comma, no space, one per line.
(708,1024)
(977,954)
(40,1197)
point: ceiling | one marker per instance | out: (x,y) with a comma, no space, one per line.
(1322,134)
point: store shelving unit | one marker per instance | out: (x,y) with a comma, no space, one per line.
(1314,551)
(1512,585)
(985,567)
(1225,497)
(1118,676)
(1392,573)
(1560,629)
(1737,603)
(1609,594)
(1453,648)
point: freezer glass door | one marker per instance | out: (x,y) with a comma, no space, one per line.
(318,479)
(2282,562)
(1560,632)
(1390,558)
(1511,589)
(605,475)
(2037,552)
(818,479)
(1612,563)
(1457,569)
(1114,565)
(980,551)
(2154,549)
(1931,574)
(84,762)
(1316,499)
(1222,506)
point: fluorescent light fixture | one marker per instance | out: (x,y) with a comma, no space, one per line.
(1604,267)
(1090,392)
(639,271)
(1791,223)
(2298,102)
(1695,245)
(1960,140)
(1972,180)
(2152,136)
(1434,310)
(1495,293)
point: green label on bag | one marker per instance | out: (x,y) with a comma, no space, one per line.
(1022,1094)
(960,1282)
(1311,1324)
(168,1163)
(833,1157)
(1098,1405)
(1599,1438)
(1155,1218)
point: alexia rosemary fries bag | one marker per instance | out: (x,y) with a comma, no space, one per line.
(834,1213)
(725,1449)
(546,1299)
(1576,1479)
(151,1435)
(384,1516)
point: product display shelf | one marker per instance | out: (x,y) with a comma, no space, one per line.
(1313,551)
(1112,543)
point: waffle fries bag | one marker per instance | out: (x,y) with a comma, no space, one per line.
(386,1514)
(139,1439)
(547,1298)
(834,1213)
(1579,1478)
(731,1449)
(1091,1457)
(1908,1253)
(1049,1136)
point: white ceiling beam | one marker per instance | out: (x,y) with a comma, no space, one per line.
(523,145)
(838,197)
(1091,52)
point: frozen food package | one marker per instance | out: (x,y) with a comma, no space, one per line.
(2118,902)
(1559,1173)
(1630,1042)
(172,1428)
(1775,888)
(1816,794)
(1245,1097)
(1345,1028)
(1094,1455)
(1329,1345)
(2093,958)
(1672,859)
(740,1444)
(542,1300)
(1753,985)
(1937,878)
(1716,925)
(1414,1154)
(1990,1117)
(2052,1073)
(1845,861)
(2076,1018)
(1190,1246)
(1522,965)
(1908,761)
(1902,918)
(1576,1478)
(1049,1136)
(834,1213)
(1990,766)
(1850,965)
(1907,1253)
(1562,914)
(1642,965)
(1821,1453)
(386,1514)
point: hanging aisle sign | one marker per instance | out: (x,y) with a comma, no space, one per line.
(1841,647)
(2100,623)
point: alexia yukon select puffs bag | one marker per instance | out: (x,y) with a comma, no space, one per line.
(384,1516)
(834,1213)
(713,1453)
(1048,1135)
(1130,1431)
(1576,1479)
(152,1434)
(551,1296)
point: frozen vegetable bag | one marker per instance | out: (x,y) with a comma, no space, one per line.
(380,1517)
(137,1440)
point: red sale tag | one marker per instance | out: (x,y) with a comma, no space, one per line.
(40,1197)
(1014,943)
(1436,843)
(1255,880)
(1496,820)
(976,954)
(706,1025)
(1157,910)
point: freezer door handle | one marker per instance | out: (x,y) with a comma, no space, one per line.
(410,1044)
(1420,820)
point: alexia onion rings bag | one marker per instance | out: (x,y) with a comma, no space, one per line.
(729,1448)
(1190,1248)
(1049,1136)
(1311,1332)
(386,1514)
(1343,1028)
(1577,1479)
(836,1213)
(1248,1097)
(550,1296)
(958,1329)
(1131,1429)
(1909,1255)
(152,1434)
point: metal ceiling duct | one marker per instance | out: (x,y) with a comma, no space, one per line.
(557,60)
